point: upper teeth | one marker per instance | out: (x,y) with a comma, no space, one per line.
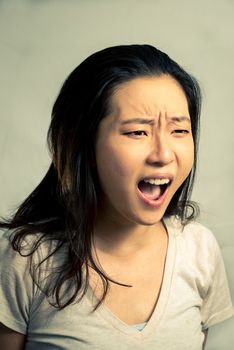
(157,181)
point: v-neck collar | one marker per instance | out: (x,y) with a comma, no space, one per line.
(161,304)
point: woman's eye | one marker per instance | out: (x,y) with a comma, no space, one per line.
(181,131)
(136,133)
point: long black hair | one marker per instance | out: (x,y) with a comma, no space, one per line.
(63,207)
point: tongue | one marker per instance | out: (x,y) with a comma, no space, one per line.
(150,191)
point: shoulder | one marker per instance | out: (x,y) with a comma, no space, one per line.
(6,249)
(200,265)
(29,265)
(30,251)
(15,264)
(195,241)
(193,232)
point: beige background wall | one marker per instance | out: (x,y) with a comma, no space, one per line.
(41,41)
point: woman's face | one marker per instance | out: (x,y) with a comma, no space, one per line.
(144,150)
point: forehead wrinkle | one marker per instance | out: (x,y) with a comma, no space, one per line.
(124,103)
(144,113)
(137,110)
(133,109)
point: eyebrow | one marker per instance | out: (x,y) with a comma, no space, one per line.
(138,121)
(178,119)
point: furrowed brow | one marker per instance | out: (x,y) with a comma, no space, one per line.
(179,119)
(138,121)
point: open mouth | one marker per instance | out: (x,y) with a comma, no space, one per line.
(153,189)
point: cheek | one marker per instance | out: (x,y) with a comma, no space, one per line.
(187,159)
(112,166)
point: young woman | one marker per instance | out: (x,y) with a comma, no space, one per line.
(105,252)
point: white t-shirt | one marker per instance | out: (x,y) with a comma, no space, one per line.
(194,296)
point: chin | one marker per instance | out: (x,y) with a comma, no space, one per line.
(148,219)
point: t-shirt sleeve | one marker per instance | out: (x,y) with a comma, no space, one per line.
(16,287)
(217,305)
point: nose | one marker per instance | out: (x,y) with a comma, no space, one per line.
(161,151)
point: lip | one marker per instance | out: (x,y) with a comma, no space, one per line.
(156,203)
(158,176)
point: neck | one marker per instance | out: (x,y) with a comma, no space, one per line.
(126,239)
